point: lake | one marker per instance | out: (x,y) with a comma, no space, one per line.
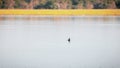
(42,41)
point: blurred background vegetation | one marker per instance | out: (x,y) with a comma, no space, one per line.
(59,4)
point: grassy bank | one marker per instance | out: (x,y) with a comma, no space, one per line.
(106,12)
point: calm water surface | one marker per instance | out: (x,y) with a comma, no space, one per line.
(41,42)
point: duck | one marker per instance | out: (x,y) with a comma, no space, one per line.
(69,40)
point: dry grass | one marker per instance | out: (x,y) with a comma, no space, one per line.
(103,12)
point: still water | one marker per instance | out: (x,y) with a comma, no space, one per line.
(41,42)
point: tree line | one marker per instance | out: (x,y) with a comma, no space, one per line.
(59,4)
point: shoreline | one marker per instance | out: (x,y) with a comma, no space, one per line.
(66,12)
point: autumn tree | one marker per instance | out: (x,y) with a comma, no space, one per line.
(117,3)
(1,3)
(60,4)
(7,4)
